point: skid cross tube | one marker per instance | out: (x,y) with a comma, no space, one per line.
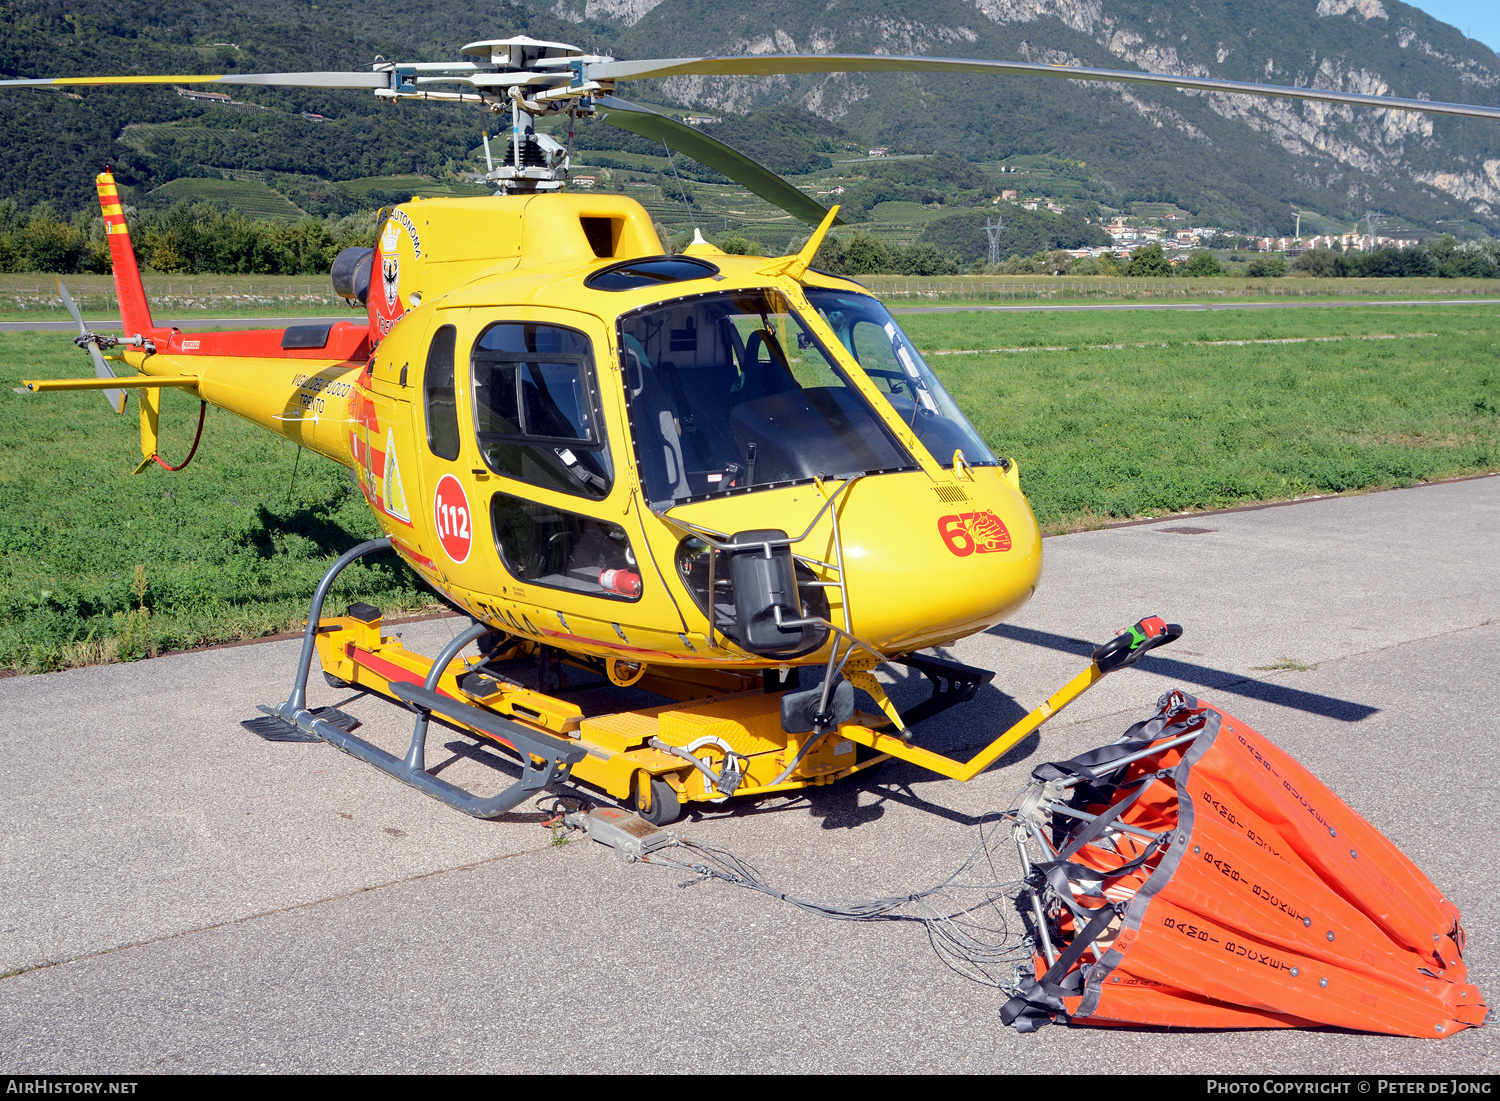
(558,756)
(297,701)
(416,755)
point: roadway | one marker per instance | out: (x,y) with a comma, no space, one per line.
(194,324)
(186,325)
(1070,307)
(179,895)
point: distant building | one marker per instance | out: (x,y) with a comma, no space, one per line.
(310,117)
(879,151)
(1031,205)
(1056,208)
(207,97)
(699,120)
(1009,194)
(836,190)
(583,181)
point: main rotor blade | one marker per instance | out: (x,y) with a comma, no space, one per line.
(274,80)
(116,398)
(713,153)
(776,64)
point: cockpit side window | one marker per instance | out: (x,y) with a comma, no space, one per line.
(536,408)
(731,391)
(441,405)
(564,550)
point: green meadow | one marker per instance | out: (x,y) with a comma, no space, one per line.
(1110,416)
(230,548)
(1136,413)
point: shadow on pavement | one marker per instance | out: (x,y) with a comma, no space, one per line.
(1220,680)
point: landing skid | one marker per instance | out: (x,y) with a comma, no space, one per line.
(726,735)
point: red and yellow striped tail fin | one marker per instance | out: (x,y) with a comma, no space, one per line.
(135,313)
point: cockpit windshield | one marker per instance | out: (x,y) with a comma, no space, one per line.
(732,390)
(894,364)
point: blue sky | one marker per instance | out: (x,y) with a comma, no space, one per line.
(1480,17)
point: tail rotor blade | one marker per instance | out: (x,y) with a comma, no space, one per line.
(67,301)
(713,154)
(116,398)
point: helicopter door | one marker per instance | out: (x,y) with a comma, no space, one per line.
(389,461)
(531,434)
(448,515)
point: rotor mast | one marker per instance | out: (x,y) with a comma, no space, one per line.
(525,75)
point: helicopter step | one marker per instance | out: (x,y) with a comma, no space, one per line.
(725,735)
(699,748)
(658,758)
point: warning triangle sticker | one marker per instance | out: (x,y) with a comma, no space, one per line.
(394,492)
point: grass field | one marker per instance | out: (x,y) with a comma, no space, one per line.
(26,293)
(232,547)
(254,317)
(1125,414)
(32,295)
(1110,416)
(1000,289)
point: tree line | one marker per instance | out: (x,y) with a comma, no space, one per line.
(197,238)
(1441,258)
(189,239)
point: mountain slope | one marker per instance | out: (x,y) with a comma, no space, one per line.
(1212,154)
(1242,163)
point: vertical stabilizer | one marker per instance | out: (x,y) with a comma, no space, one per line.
(135,314)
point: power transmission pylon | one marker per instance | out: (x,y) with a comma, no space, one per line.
(994,232)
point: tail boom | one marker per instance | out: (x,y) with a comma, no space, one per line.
(303,400)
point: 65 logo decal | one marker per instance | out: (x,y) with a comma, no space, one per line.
(969,533)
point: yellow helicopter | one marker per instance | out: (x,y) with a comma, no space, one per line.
(695,474)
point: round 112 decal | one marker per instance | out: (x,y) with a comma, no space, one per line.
(450,511)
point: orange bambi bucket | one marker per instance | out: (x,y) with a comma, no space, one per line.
(1194,875)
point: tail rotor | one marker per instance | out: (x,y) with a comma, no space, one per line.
(92,342)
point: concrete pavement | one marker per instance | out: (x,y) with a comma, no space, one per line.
(176,894)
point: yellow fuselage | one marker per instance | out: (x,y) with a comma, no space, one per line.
(922,562)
